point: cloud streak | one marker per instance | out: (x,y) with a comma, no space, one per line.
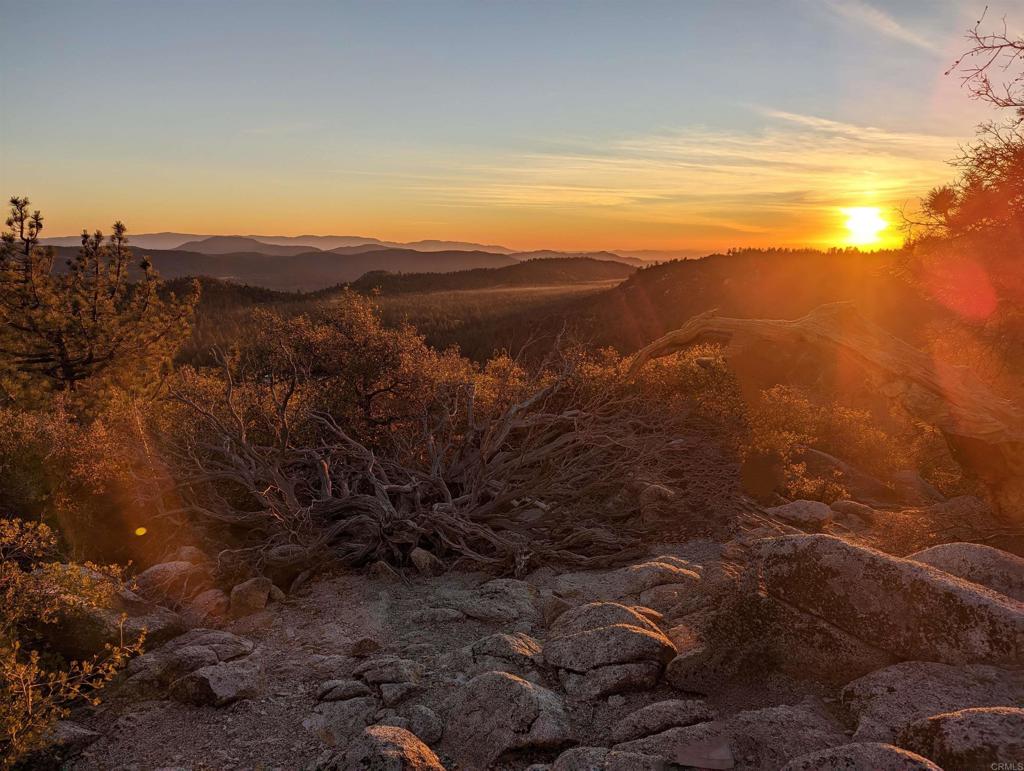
(878,20)
(785,182)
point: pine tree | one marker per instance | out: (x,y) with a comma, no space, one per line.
(102,322)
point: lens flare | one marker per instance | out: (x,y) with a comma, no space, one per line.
(140,531)
(864,224)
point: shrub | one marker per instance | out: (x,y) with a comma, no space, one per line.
(36,686)
(787,419)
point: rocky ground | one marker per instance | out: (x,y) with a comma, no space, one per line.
(793,644)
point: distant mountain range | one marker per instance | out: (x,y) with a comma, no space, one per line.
(286,246)
(294,263)
(206,244)
(309,270)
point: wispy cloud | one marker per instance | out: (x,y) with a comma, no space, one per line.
(787,178)
(875,18)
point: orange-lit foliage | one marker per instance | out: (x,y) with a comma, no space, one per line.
(35,589)
(92,328)
(787,419)
(75,474)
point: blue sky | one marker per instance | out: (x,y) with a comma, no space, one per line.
(566,124)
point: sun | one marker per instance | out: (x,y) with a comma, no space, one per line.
(864,223)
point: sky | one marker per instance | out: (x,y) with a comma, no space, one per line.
(567,124)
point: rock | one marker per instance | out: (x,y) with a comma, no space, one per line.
(982,737)
(218,684)
(69,738)
(618,644)
(250,596)
(338,722)
(595,615)
(172,582)
(389,718)
(516,646)
(340,690)
(151,673)
(614,678)
(191,554)
(276,594)
(660,716)
(283,564)
(884,702)
(694,669)
(806,514)
(866,755)
(384,748)
(389,669)
(517,653)
(603,759)
(393,693)
(497,712)
(763,738)
(425,723)
(634,579)
(503,599)
(554,607)
(998,570)
(674,599)
(897,605)
(211,605)
(82,632)
(805,647)
(426,563)
(864,513)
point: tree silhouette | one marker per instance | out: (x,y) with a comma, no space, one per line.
(100,322)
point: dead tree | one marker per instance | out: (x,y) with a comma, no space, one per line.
(539,480)
(990,52)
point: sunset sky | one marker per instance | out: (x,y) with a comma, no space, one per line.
(572,125)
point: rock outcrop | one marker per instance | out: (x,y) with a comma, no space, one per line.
(763,738)
(383,748)
(883,703)
(661,716)
(1000,571)
(218,685)
(249,596)
(173,582)
(604,648)
(910,609)
(862,755)
(497,712)
(199,649)
(981,737)
(803,514)
(503,599)
(85,631)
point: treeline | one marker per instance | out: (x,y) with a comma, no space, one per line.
(561,270)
